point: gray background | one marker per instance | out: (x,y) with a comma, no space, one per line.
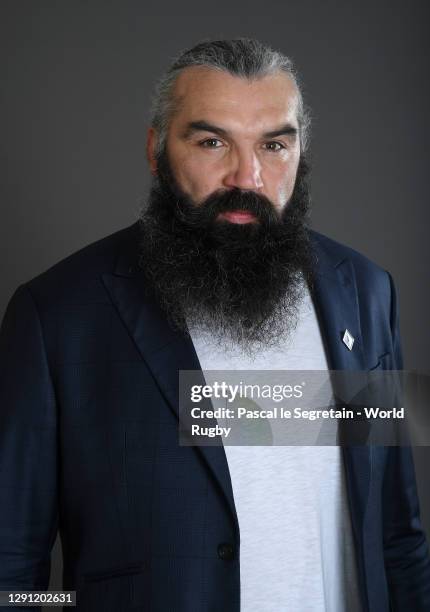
(76,81)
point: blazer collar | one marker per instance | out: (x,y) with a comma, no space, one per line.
(334,295)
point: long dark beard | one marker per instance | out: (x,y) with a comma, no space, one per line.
(241,283)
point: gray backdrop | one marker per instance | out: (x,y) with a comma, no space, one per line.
(76,82)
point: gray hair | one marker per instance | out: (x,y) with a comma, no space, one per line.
(243,57)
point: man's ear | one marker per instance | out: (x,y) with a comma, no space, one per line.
(151,145)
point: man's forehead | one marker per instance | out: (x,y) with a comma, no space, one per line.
(200,90)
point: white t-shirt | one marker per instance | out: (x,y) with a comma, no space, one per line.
(296,545)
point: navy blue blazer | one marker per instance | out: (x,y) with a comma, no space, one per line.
(89,443)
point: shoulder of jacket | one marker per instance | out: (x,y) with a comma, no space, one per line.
(78,276)
(337,252)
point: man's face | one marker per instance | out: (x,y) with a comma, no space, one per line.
(232,132)
(225,245)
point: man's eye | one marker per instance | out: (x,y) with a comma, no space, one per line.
(273,146)
(211,143)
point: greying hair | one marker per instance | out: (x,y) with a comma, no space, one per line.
(242,57)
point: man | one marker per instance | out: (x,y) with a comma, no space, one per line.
(221,272)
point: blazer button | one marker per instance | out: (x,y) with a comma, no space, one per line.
(225,551)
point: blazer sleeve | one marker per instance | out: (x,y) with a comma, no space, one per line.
(28,451)
(406,552)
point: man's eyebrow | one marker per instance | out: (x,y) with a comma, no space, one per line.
(203,126)
(284,130)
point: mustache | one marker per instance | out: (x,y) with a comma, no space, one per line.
(220,201)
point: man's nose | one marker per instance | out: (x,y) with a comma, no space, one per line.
(244,171)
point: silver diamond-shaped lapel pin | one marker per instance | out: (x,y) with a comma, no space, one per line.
(348,339)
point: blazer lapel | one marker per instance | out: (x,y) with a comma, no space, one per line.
(336,303)
(165,351)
